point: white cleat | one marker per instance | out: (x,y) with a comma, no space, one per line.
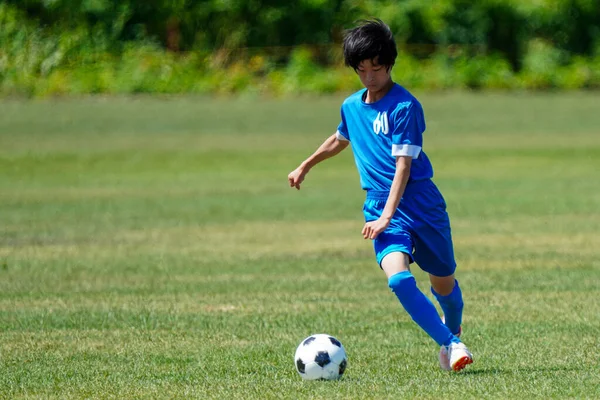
(459,356)
(444,359)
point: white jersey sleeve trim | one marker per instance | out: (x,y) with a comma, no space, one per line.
(406,150)
(341,137)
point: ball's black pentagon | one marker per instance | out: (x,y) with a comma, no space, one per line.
(343,367)
(322,358)
(309,341)
(335,341)
(300,365)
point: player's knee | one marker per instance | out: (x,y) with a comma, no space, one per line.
(398,282)
(453,299)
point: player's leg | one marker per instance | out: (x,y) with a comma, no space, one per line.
(392,249)
(447,292)
(400,280)
(434,253)
(456,356)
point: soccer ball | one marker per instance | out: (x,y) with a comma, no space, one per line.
(320,356)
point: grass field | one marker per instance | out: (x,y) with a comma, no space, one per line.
(150,248)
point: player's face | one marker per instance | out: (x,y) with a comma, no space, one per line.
(373,76)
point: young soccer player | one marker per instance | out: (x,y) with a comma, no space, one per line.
(404,211)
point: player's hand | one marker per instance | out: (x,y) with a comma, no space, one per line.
(374,228)
(296,177)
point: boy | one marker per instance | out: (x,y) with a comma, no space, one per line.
(405,214)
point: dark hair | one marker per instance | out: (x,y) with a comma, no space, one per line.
(368,40)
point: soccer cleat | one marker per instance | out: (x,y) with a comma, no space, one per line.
(459,356)
(444,359)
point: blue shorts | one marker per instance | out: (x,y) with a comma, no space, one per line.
(420,227)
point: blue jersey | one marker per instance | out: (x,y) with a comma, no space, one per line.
(380,131)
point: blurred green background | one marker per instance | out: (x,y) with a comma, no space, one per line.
(50,47)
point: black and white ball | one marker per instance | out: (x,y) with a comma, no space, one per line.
(320,356)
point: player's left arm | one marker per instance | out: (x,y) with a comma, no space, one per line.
(374,228)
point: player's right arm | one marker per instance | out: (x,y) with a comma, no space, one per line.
(330,147)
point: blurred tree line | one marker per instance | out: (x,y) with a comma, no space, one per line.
(54,46)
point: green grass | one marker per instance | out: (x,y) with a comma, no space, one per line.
(150,248)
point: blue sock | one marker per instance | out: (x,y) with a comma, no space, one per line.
(420,308)
(452,306)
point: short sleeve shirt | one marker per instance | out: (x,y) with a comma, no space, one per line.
(381,131)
